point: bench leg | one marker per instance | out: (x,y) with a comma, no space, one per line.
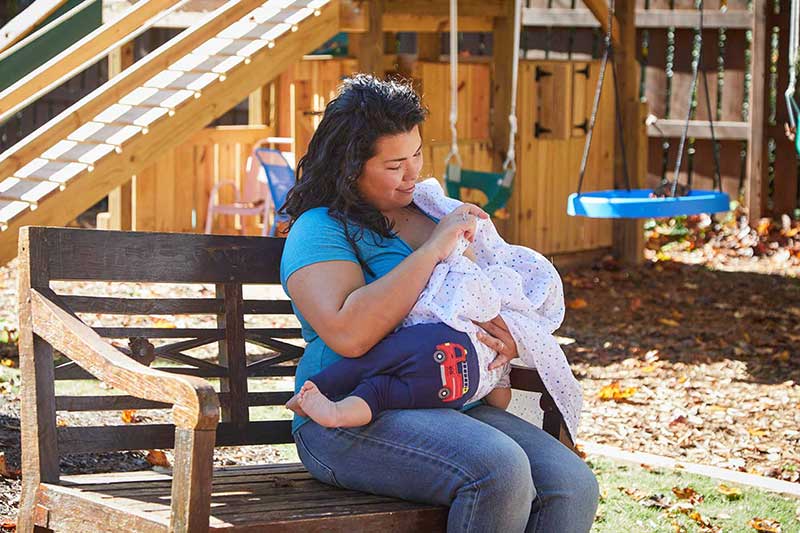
(191,480)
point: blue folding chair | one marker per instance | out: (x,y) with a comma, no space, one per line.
(280,178)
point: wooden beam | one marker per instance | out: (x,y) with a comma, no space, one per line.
(141,151)
(433,23)
(757,145)
(628,234)
(81,54)
(699,129)
(645,18)
(120,200)
(109,93)
(370,47)
(26,21)
(470,8)
(599,9)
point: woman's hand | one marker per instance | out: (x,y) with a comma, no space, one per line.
(498,338)
(461,221)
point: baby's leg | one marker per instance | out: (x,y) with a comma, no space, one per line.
(348,412)
(499,397)
(372,396)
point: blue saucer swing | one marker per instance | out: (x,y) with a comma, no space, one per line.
(648,203)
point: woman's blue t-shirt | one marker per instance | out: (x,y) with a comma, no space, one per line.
(316,237)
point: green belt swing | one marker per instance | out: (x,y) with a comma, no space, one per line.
(495,185)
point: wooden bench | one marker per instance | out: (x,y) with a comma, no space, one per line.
(195,497)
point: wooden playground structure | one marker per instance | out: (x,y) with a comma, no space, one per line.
(160,181)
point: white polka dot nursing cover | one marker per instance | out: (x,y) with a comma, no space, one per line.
(515,282)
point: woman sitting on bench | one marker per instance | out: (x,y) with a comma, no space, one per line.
(356,259)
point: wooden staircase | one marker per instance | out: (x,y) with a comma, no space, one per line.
(77,158)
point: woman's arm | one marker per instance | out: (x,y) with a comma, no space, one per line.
(352,316)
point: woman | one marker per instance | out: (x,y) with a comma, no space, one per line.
(356,258)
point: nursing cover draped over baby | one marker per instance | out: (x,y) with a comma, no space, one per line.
(517,283)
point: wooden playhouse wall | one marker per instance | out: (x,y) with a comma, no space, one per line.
(172,195)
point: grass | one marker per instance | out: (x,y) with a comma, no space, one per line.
(620,511)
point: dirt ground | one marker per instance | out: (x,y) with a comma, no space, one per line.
(692,355)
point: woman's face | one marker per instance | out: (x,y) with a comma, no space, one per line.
(388,179)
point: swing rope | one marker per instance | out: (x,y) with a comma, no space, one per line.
(794,34)
(608,54)
(510,161)
(453,154)
(696,67)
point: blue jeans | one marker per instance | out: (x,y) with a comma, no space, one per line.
(496,471)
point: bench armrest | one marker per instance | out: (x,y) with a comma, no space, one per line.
(195,402)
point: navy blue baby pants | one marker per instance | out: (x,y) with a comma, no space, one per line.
(421,366)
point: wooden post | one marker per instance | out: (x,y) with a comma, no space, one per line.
(502,66)
(38,409)
(628,234)
(261,106)
(757,162)
(120,200)
(370,46)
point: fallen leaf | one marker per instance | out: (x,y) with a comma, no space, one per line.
(636,494)
(5,470)
(577,303)
(669,322)
(129,416)
(163,323)
(8,525)
(757,432)
(614,392)
(765,525)
(687,493)
(732,493)
(7,362)
(157,458)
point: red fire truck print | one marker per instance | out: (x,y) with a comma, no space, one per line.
(452,359)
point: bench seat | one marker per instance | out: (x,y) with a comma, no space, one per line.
(263,498)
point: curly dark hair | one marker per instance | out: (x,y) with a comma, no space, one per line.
(364,110)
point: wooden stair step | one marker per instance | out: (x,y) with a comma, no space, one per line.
(154,96)
(171,79)
(212,63)
(73,151)
(25,190)
(50,170)
(129,115)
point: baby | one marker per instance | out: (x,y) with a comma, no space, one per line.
(435,359)
(425,365)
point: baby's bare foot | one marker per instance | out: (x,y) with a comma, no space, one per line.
(317,407)
(294,405)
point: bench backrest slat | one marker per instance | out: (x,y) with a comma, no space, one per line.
(90,439)
(99,255)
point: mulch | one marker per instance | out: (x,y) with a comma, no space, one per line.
(693,355)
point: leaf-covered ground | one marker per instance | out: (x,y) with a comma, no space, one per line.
(692,355)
